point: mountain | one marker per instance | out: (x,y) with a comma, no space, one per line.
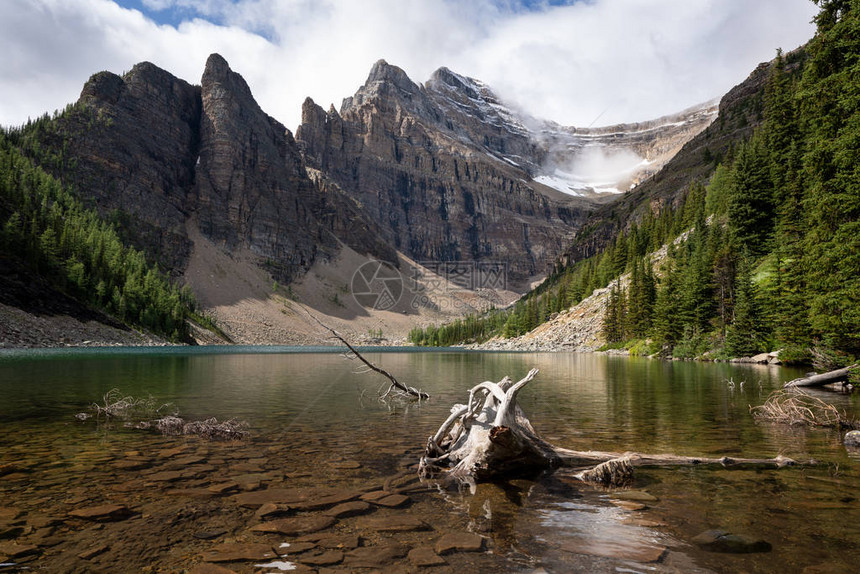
(216,192)
(614,159)
(449,172)
(437,178)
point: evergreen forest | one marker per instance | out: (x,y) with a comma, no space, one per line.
(48,230)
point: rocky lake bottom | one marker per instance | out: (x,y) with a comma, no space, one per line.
(327,480)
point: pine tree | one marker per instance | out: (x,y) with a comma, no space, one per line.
(744,336)
(750,202)
(666,328)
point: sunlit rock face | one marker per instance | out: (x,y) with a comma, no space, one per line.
(444,170)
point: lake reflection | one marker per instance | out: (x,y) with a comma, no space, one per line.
(316,422)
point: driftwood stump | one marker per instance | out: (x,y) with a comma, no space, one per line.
(490,437)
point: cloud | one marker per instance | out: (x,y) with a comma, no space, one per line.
(611,60)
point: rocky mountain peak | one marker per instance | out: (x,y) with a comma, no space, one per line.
(390,86)
(382,71)
(103,86)
(217,75)
(445,78)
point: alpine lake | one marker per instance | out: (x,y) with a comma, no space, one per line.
(327,478)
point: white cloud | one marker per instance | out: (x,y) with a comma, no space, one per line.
(619,60)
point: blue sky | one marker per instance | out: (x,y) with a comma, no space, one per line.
(175,14)
(572,62)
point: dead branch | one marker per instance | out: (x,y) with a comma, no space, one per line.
(395,384)
(794,407)
(490,436)
(118,406)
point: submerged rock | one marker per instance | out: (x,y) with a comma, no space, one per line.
(102,513)
(852,439)
(327,558)
(392,500)
(15,551)
(347,509)
(375,556)
(633,496)
(721,541)
(296,525)
(235,552)
(425,556)
(393,523)
(459,542)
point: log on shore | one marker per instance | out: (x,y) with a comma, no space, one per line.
(837,376)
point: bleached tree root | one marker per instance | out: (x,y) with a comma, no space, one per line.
(490,437)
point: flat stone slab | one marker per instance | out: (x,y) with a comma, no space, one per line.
(642,553)
(629,505)
(375,495)
(13,550)
(237,552)
(296,525)
(347,509)
(459,542)
(223,487)
(327,558)
(288,548)
(425,556)
(633,496)
(375,556)
(327,540)
(132,464)
(102,513)
(171,452)
(393,500)
(165,476)
(395,523)
(297,498)
(188,460)
(211,569)
(9,513)
(209,534)
(91,553)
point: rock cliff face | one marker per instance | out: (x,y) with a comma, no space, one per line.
(252,190)
(131,144)
(434,179)
(156,154)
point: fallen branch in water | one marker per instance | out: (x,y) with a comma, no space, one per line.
(210,428)
(491,437)
(829,378)
(395,384)
(794,407)
(117,406)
